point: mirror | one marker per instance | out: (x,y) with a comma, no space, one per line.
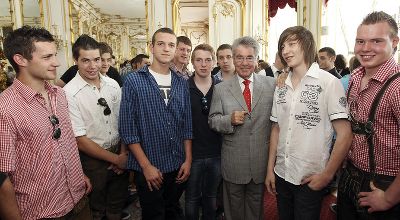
(31,13)
(122,25)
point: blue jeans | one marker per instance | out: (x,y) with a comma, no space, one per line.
(201,191)
(298,202)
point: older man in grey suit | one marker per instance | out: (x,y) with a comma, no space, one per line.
(240,110)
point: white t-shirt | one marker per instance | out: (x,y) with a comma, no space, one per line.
(164,83)
(304,116)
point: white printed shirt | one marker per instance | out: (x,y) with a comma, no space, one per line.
(304,116)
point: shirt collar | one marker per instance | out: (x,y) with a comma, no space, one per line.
(28,93)
(78,83)
(384,71)
(241,80)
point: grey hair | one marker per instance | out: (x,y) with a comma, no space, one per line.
(247,42)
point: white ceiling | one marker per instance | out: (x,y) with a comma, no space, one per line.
(124,8)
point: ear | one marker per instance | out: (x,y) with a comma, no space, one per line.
(151,46)
(333,58)
(395,41)
(20,60)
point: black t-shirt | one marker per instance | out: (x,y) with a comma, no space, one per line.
(206,143)
(3,177)
(71,73)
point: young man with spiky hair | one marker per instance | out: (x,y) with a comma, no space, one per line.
(307,109)
(93,101)
(373,166)
(156,124)
(37,144)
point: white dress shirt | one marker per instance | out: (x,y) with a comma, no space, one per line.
(87,116)
(304,116)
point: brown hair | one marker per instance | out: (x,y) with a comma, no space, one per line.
(380,16)
(205,47)
(304,38)
(161,30)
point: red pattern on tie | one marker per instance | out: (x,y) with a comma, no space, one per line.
(247,94)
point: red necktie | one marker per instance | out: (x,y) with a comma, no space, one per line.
(247,94)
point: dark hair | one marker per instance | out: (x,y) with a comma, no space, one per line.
(223,47)
(105,48)
(304,38)
(340,62)
(22,41)
(380,16)
(329,50)
(184,40)
(161,30)
(205,47)
(138,59)
(84,42)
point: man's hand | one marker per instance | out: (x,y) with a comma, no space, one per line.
(153,177)
(270,182)
(116,169)
(280,81)
(375,199)
(184,172)
(88,184)
(237,117)
(317,181)
(122,158)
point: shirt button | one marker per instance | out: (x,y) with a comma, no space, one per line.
(287,156)
(171,138)
(290,129)
(107,123)
(287,142)
(109,132)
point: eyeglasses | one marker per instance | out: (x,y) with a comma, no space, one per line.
(204,106)
(103,102)
(241,59)
(56,130)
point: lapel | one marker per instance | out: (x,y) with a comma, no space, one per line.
(236,91)
(257,91)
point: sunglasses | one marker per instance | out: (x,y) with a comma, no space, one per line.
(56,130)
(204,106)
(103,102)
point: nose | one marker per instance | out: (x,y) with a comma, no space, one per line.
(56,62)
(366,46)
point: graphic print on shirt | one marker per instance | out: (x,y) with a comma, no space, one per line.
(310,98)
(165,92)
(282,95)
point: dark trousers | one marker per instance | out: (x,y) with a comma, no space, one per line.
(353,181)
(109,193)
(297,202)
(201,191)
(159,204)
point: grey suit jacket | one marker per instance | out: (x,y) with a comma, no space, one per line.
(245,147)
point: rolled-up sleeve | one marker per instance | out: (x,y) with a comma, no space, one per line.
(7,144)
(127,117)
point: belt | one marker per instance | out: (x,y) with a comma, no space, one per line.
(114,149)
(355,169)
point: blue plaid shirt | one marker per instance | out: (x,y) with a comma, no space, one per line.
(160,129)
